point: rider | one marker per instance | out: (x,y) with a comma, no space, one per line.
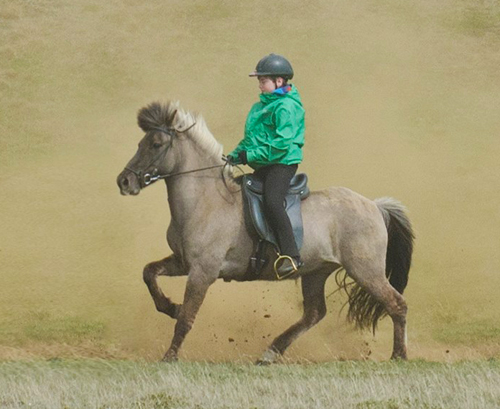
(272,146)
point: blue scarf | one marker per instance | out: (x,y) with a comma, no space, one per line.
(283,90)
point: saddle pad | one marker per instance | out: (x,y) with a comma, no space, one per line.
(253,197)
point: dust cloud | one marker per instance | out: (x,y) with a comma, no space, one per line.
(402,100)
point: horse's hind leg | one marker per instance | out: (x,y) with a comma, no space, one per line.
(397,309)
(313,291)
(167,267)
(383,292)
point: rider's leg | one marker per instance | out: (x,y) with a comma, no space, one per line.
(276,183)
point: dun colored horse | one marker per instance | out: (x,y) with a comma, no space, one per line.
(369,243)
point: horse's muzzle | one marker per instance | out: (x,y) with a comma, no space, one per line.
(128,183)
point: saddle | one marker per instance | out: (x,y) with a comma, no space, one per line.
(253,194)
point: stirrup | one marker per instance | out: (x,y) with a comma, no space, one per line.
(294,266)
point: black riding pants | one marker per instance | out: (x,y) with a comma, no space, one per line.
(276,179)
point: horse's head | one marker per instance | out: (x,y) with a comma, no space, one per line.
(154,156)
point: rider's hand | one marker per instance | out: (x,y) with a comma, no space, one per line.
(242,156)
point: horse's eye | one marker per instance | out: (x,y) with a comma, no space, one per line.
(156,145)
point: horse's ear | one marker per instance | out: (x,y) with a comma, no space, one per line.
(170,119)
(187,126)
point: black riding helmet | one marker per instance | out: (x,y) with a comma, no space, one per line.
(273,65)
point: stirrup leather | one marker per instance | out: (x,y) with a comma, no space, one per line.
(281,258)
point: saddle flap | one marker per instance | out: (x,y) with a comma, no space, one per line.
(253,193)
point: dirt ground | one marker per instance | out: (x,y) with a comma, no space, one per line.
(401,99)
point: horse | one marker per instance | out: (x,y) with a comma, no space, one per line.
(369,243)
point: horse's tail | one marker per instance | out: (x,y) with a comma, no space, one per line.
(364,310)
(400,242)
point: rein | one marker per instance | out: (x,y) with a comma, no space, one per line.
(149,178)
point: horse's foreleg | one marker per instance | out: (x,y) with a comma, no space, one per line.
(196,289)
(313,291)
(167,267)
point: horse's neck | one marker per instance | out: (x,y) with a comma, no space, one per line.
(190,194)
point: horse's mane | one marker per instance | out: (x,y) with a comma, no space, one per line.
(171,115)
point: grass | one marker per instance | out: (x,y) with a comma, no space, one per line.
(350,384)
(47,328)
(468,333)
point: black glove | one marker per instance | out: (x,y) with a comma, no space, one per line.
(229,159)
(242,156)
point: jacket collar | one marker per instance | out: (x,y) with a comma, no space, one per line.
(267,98)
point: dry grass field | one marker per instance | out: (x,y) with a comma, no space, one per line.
(59,384)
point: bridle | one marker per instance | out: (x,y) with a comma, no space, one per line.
(149,178)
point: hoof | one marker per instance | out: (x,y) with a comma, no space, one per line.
(170,357)
(174,311)
(168,308)
(269,357)
(402,357)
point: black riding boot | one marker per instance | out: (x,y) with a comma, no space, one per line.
(286,265)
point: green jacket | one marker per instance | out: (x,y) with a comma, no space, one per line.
(274,130)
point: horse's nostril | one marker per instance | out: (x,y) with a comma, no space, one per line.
(125,182)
